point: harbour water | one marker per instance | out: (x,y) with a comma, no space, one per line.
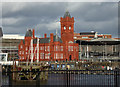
(61,79)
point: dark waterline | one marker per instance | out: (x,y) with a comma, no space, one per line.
(61,79)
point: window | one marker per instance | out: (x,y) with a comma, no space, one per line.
(23,52)
(105,36)
(70,42)
(76,48)
(42,55)
(75,37)
(70,28)
(45,48)
(100,37)
(20,52)
(61,48)
(61,55)
(91,36)
(56,55)
(26,48)
(41,48)
(21,46)
(70,48)
(47,55)
(84,37)
(56,48)
(64,28)
(48,48)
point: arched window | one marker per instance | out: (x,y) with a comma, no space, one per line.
(64,28)
(69,27)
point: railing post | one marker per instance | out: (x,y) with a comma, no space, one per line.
(10,78)
(38,80)
(67,77)
(116,78)
(0,75)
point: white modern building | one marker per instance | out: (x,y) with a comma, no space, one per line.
(9,47)
(12,36)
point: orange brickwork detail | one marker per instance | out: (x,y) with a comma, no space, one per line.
(67,29)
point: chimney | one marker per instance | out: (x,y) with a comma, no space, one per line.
(33,33)
(51,37)
(45,35)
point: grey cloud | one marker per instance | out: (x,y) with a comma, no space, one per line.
(97,11)
(101,17)
(35,9)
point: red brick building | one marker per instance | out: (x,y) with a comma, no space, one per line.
(50,48)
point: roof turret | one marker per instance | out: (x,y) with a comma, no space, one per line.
(67,14)
(28,33)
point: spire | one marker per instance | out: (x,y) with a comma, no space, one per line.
(67,14)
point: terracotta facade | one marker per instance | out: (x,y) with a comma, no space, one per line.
(51,48)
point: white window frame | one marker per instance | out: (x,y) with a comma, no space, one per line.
(61,48)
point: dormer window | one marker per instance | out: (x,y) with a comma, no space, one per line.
(70,28)
(64,28)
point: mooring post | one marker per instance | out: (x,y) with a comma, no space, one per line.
(67,76)
(38,80)
(10,78)
(46,74)
(0,75)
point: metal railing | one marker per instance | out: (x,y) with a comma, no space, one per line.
(67,78)
(0,79)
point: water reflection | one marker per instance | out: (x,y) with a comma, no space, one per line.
(61,79)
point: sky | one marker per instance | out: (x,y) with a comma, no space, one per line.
(44,17)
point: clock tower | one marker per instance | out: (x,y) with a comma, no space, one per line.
(67,28)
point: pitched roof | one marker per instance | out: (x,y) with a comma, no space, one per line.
(57,39)
(28,33)
(44,40)
(47,40)
(67,14)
